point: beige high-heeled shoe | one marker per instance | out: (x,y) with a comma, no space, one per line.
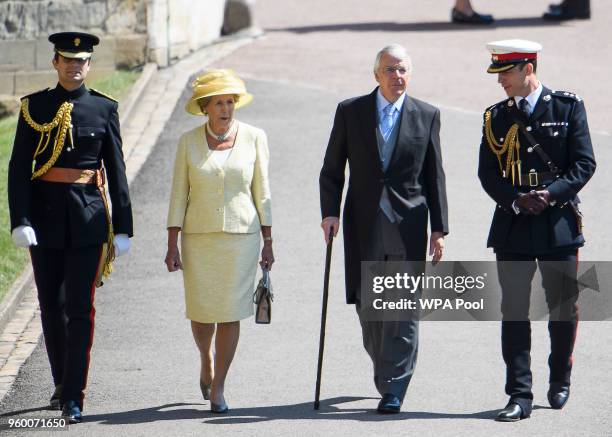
(205,390)
(218,409)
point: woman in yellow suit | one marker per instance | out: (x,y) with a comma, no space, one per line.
(221,202)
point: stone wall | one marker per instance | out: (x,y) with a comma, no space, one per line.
(31,19)
(177,27)
(25,65)
(132,32)
(25,53)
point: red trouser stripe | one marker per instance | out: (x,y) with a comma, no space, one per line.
(577,313)
(92,315)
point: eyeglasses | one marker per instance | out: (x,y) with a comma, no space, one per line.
(390,70)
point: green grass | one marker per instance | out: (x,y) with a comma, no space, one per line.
(13,259)
(117,84)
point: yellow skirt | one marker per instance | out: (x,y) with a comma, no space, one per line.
(219,271)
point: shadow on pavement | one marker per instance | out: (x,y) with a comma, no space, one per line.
(389,26)
(329,411)
(29,410)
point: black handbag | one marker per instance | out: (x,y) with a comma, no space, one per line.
(262,298)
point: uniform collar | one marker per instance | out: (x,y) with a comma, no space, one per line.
(531,98)
(65,94)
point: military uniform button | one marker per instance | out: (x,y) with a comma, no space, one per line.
(529,149)
(528,128)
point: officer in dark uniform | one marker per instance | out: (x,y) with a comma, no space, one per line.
(535,156)
(67,144)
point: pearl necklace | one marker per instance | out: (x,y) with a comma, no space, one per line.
(224,135)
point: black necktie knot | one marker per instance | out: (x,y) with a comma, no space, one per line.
(524,107)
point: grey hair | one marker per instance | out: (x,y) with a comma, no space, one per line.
(397,51)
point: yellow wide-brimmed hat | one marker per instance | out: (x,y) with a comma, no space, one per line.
(216,83)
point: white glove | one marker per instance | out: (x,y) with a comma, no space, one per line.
(24,236)
(122,244)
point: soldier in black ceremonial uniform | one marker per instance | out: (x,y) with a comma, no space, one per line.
(535,156)
(66,146)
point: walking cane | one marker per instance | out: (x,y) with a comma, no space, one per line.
(323,316)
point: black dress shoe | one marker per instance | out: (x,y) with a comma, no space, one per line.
(563,13)
(72,412)
(389,404)
(55,402)
(512,413)
(558,394)
(475,18)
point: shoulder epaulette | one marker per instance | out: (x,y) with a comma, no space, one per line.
(498,104)
(35,93)
(100,93)
(567,95)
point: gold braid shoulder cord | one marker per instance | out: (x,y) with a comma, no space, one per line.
(108,252)
(511,145)
(63,120)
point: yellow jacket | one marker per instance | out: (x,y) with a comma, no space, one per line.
(208,198)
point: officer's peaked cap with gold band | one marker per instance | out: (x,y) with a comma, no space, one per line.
(76,45)
(510,52)
(215,83)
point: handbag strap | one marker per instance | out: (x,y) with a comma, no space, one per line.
(264,283)
(533,144)
(266,277)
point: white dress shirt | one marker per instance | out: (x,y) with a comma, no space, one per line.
(531,98)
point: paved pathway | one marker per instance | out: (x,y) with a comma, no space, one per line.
(143,379)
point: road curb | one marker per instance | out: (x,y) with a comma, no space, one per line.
(9,304)
(126,107)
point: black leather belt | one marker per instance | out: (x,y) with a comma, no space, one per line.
(537,179)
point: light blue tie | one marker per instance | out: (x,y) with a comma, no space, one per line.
(386,124)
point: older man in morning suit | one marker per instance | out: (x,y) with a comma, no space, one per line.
(392,144)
